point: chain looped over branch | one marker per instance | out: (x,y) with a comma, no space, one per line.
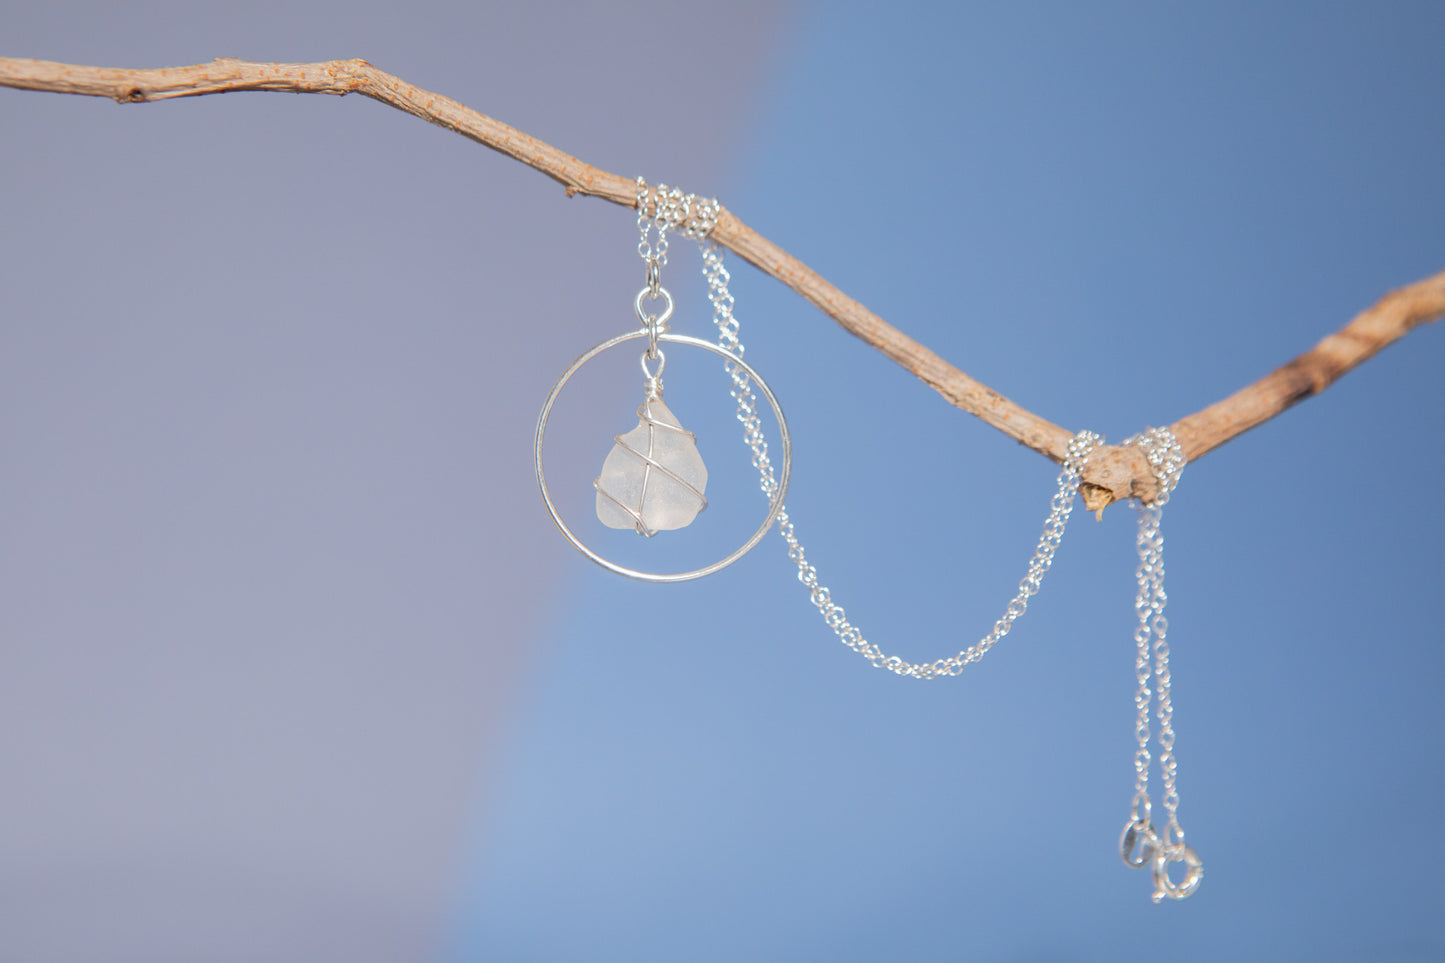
(671,210)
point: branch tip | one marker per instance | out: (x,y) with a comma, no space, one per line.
(1096,498)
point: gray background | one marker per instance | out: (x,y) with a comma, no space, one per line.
(270,559)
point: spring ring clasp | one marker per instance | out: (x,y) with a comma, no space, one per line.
(1193,876)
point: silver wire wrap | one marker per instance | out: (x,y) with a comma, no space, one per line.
(1061,506)
(1141,845)
(650,464)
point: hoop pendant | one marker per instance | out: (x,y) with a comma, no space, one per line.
(776,503)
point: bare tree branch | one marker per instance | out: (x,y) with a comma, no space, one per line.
(1114,473)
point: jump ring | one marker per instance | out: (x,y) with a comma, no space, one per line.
(1139,844)
(647,318)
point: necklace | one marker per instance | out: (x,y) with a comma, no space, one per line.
(653,480)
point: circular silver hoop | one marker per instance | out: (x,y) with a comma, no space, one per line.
(776,502)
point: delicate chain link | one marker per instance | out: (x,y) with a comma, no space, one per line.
(1166,458)
(1144,609)
(1061,506)
(672,210)
(645,227)
(1141,845)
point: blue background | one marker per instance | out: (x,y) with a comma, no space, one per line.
(1114,215)
(294,667)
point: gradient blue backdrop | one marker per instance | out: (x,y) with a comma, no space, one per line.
(1115,215)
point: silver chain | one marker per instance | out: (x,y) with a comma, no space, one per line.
(1141,845)
(672,210)
(1061,506)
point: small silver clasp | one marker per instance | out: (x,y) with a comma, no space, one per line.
(1139,844)
(1193,876)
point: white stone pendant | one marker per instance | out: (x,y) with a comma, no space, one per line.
(653,478)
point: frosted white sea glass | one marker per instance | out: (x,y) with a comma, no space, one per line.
(665,505)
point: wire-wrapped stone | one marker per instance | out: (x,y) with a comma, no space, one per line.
(653,478)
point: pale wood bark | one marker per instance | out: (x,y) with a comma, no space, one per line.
(1114,473)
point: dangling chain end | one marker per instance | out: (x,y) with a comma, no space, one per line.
(1166,459)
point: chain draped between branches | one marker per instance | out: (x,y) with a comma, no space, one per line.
(1114,473)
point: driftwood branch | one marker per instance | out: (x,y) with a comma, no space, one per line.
(1114,473)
